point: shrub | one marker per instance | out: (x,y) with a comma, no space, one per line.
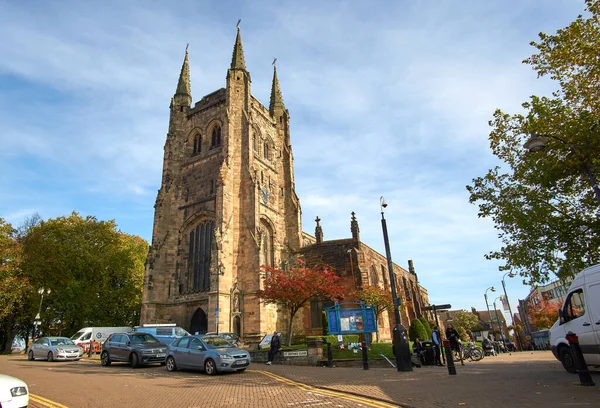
(426,326)
(417,330)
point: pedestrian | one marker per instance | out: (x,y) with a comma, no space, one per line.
(418,351)
(437,342)
(275,346)
(453,337)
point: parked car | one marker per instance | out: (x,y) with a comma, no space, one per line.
(579,314)
(231,337)
(13,392)
(54,348)
(166,333)
(211,354)
(133,348)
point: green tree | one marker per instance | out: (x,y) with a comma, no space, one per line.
(544,204)
(426,326)
(15,288)
(417,330)
(465,323)
(95,273)
(294,288)
(377,298)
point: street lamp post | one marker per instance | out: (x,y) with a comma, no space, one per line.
(488,308)
(38,318)
(537,143)
(499,324)
(400,340)
(512,319)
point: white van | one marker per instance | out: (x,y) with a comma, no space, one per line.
(166,332)
(579,314)
(100,334)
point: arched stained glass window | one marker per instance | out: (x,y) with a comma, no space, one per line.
(216,136)
(199,254)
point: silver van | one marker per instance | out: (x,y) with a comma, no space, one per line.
(165,333)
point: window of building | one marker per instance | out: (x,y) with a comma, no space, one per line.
(385,277)
(197,145)
(216,136)
(266,245)
(254,145)
(267,152)
(200,244)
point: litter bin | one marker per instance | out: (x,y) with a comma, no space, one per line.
(428,352)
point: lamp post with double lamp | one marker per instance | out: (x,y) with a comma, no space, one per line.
(537,143)
(400,340)
(512,319)
(499,323)
(493,289)
(38,318)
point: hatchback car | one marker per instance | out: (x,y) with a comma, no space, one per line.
(133,348)
(211,354)
(54,348)
(13,392)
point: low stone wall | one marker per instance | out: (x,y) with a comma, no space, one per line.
(312,355)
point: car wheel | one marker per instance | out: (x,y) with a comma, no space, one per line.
(210,367)
(567,360)
(30,356)
(171,366)
(134,360)
(50,356)
(105,359)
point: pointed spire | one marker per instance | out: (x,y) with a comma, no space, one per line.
(354,227)
(237,60)
(276,98)
(183,95)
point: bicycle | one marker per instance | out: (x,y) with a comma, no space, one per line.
(471,352)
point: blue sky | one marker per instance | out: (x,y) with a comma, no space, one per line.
(387,98)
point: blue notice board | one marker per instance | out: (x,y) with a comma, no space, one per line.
(351,320)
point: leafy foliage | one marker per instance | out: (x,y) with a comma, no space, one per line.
(417,330)
(426,326)
(95,273)
(378,298)
(465,323)
(543,204)
(294,288)
(544,313)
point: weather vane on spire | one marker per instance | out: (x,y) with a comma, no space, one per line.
(238,23)
(274,61)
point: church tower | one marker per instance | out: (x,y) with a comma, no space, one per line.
(226,206)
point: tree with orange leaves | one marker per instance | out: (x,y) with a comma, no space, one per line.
(545,313)
(377,298)
(294,288)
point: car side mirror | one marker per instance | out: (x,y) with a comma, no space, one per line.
(128,343)
(201,348)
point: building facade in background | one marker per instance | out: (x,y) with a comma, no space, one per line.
(227,205)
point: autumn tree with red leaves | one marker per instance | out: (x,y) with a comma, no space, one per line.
(545,313)
(377,298)
(294,288)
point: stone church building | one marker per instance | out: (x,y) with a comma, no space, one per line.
(227,205)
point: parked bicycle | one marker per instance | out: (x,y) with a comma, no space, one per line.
(470,351)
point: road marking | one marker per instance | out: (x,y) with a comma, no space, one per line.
(45,402)
(368,402)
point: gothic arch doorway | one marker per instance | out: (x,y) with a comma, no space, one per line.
(199,322)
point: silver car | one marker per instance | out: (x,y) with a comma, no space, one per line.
(211,354)
(54,348)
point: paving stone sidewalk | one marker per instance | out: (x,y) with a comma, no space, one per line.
(522,379)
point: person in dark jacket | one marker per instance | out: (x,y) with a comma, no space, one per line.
(452,335)
(275,346)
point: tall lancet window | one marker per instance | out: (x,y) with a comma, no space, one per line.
(266,245)
(201,240)
(216,136)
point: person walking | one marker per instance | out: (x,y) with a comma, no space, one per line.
(275,346)
(436,336)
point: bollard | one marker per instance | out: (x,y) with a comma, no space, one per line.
(450,360)
(584,375)
(365,356)
(329,356)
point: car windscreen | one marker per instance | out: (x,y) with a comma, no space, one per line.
(62,342)
(77,335)
(143,338)
(216,342)
(181,332)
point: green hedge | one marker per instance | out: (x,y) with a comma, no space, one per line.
(333,338)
